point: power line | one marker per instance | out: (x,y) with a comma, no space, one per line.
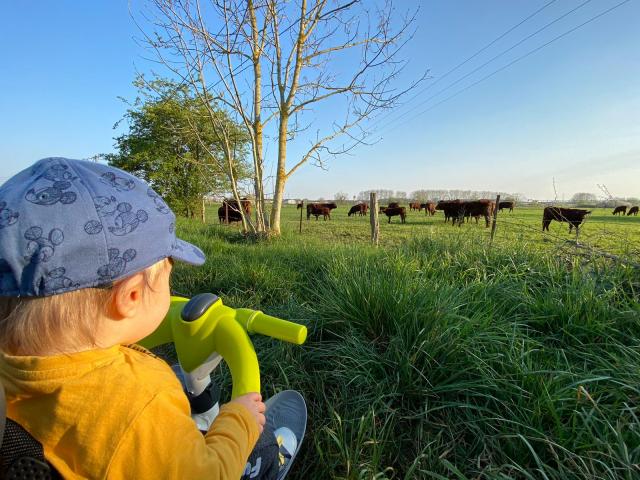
(491,60)
(498,38)
(531,52)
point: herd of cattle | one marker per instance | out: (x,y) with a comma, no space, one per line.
(456,211)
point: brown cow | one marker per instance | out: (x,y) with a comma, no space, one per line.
(313,207)
(394,212)
(620,210)
(415,206)
(429,208)
(508,204)
(317,209)
(299,205)
(360,208)
(476,209)
(633,211)
(573,216)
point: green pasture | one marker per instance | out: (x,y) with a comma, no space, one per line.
(602,230)
(434,356)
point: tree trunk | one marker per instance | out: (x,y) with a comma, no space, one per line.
(258,184)
(281,175)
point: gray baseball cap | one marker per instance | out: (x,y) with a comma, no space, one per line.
(71,224)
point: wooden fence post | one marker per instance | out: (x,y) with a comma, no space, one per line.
(495,220)
(226,211)
(301,209)
(375,225)
(204,217)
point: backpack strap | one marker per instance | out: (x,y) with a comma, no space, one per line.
(21,455)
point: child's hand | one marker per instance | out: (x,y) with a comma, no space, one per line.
(253,402)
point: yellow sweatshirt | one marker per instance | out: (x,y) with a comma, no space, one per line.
(120,413)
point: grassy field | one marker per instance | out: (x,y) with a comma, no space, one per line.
(436,357)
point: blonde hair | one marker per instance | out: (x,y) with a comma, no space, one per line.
(32,325)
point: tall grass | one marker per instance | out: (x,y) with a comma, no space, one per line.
(438,359)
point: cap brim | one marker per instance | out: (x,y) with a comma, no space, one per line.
(188,253)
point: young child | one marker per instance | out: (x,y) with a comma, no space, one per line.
(86,251)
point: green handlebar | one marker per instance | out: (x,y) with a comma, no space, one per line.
(221,329)
(255,321)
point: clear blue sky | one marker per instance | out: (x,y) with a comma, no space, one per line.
(570,111)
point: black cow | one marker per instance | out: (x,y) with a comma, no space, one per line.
(449,208)
(508,204)
(633,211)
(228,215)
(573,216)
(620,210)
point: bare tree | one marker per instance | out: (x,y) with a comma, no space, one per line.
(341,196)
(338,53)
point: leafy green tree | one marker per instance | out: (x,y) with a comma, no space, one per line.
(170,144)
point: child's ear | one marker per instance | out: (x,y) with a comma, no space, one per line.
(127,297)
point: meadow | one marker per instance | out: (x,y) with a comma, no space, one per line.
(435,356)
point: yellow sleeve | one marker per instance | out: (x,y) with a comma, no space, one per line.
(164,442)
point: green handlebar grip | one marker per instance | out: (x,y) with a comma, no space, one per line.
(257,322)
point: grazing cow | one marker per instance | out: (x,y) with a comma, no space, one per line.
(476,209)
(314,207)
(394,212)
(415,206)
(317,209)
(233,205)
(324,211)
(633,211)
(458,210)
(429,208)
(573,216)
(229,214)
(360,208)
(449,208)
(299,205)
(620,210)
(508,205)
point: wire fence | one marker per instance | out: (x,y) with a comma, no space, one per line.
(615,240)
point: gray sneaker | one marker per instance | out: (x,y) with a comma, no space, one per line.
(287,415)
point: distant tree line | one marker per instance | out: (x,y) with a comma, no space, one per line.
(422,195)
(587,199)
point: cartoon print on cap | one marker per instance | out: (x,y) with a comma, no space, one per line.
(51,195)
(93,227)
(121,184)
(161,206)
(116,264)
(57,173)
(126,221)
(39,248)
(7,216)
(56,281)
(105,206)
